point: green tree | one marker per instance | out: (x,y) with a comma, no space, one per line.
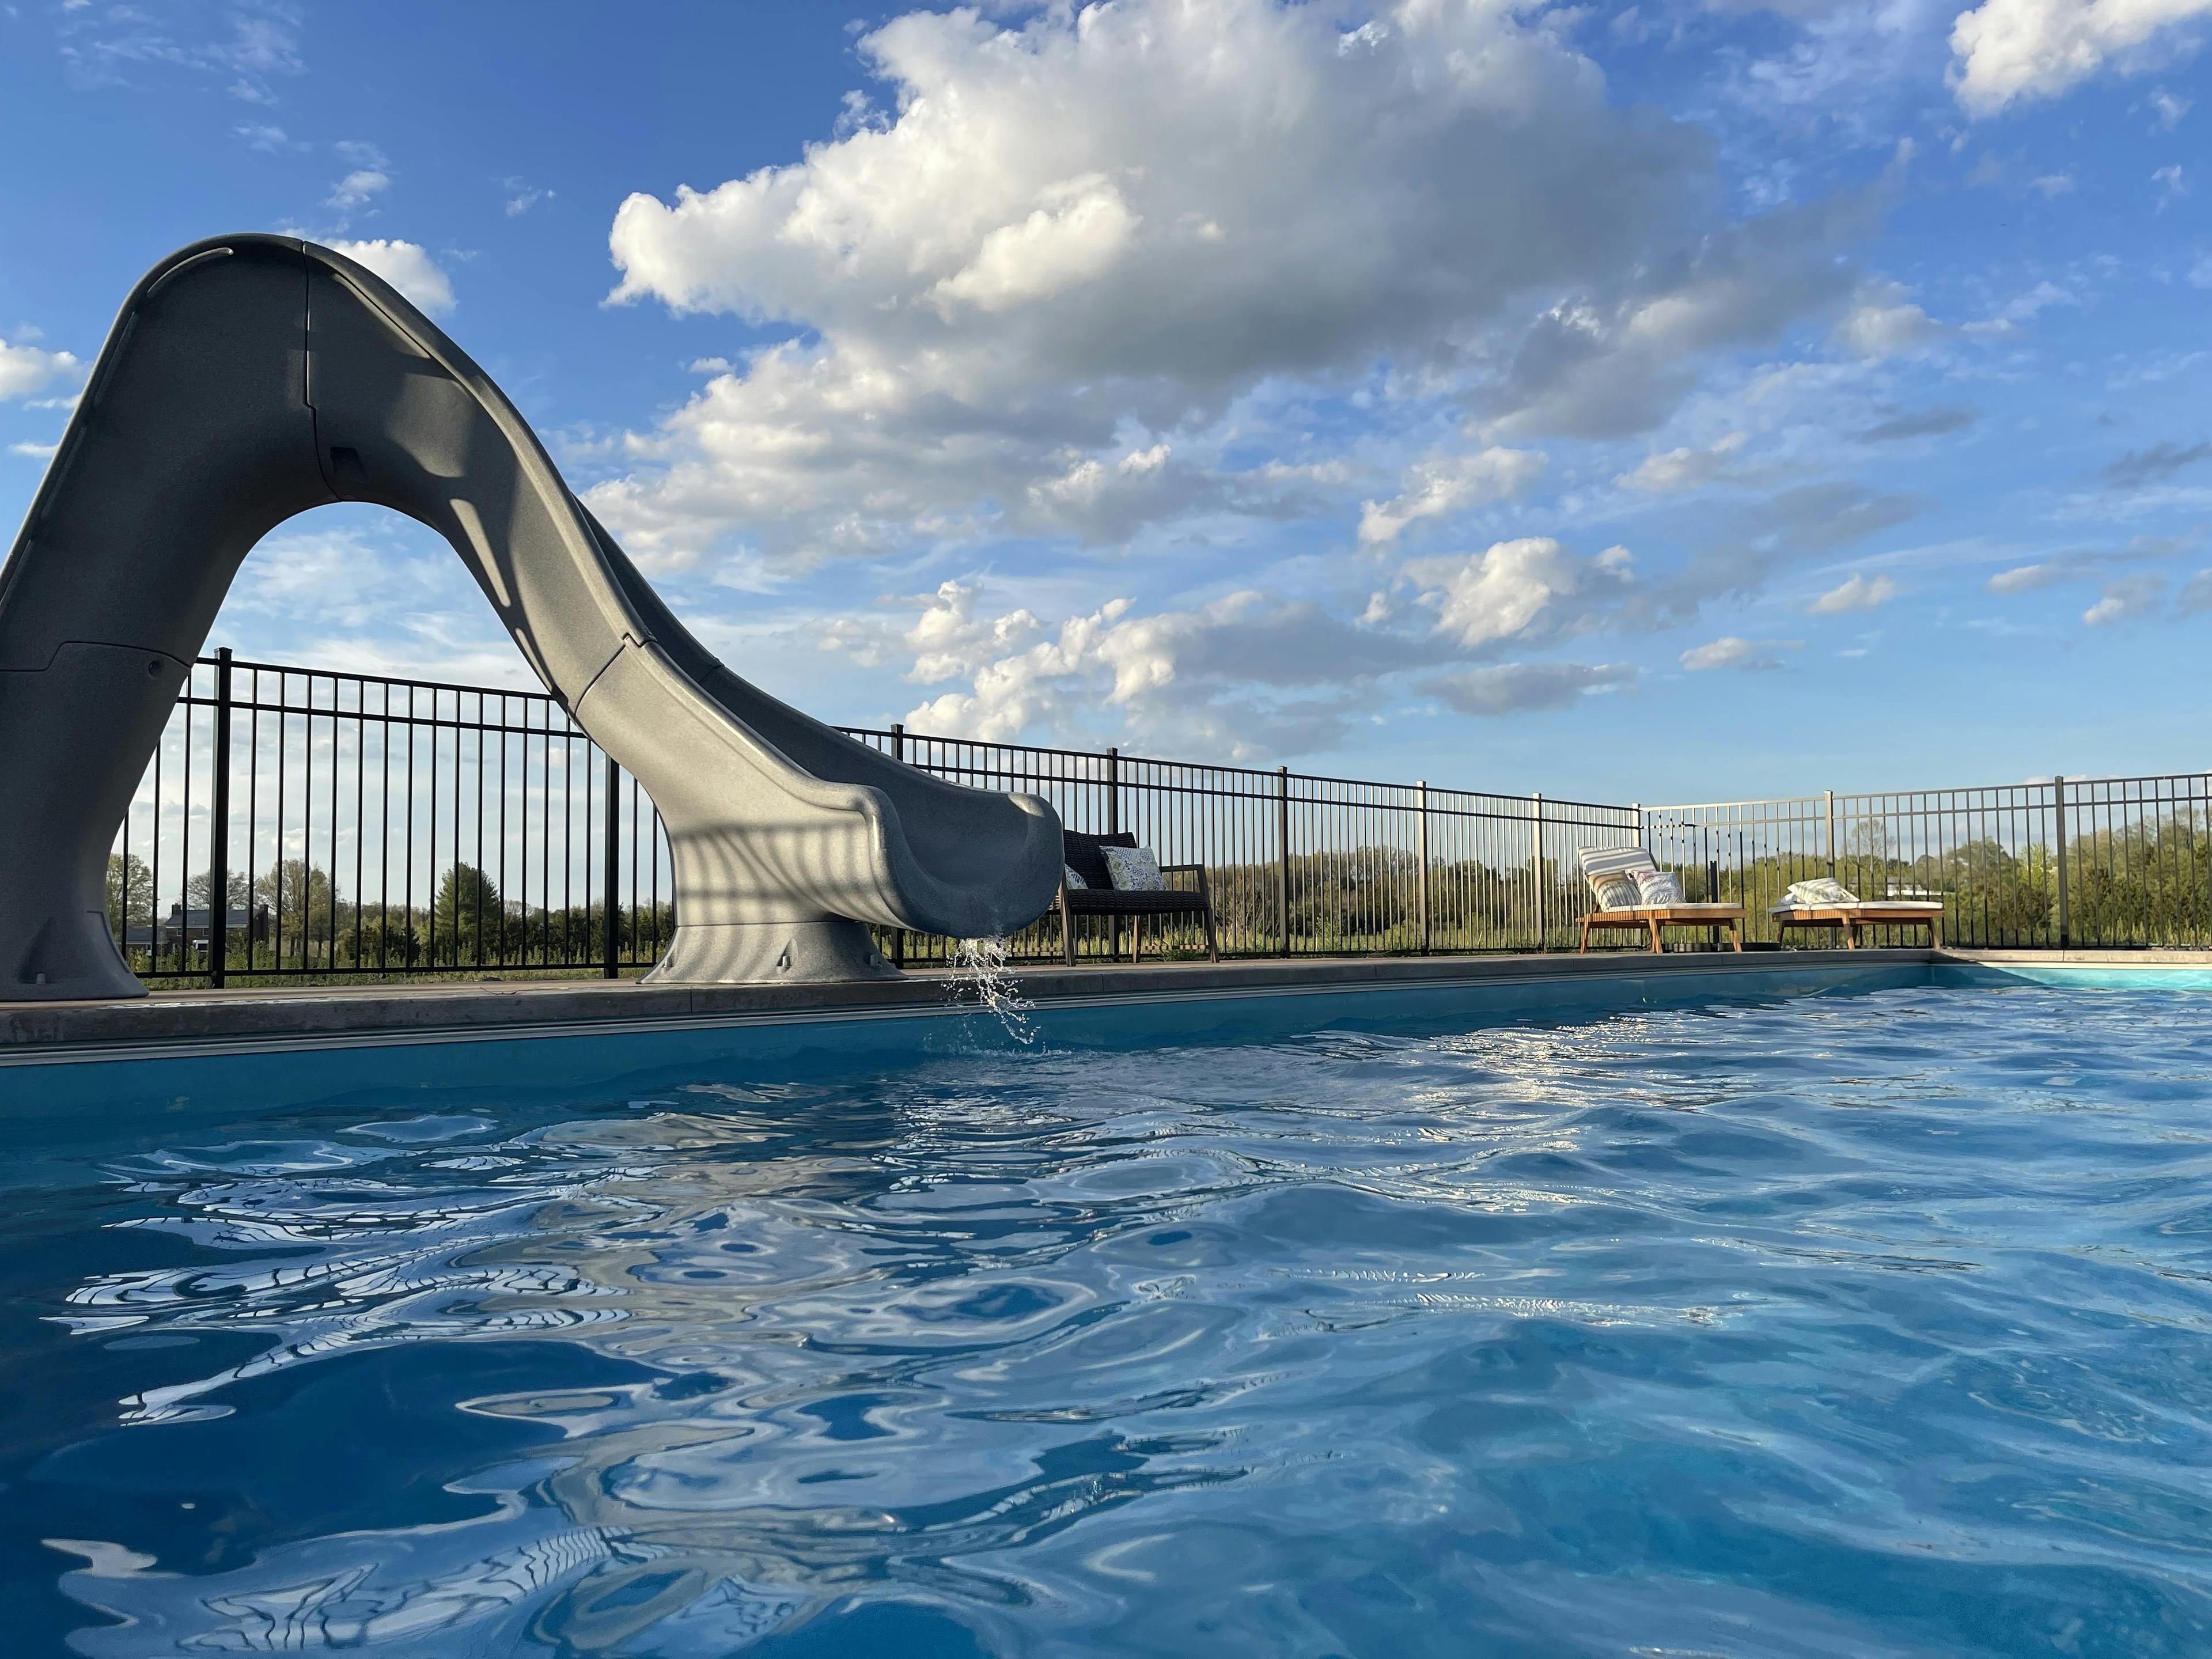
(129,892)
(467,923)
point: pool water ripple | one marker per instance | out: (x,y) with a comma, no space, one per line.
(1865,1325)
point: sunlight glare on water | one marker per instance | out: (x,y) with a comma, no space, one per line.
(1870,1325)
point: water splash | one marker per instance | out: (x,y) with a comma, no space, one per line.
(979,968)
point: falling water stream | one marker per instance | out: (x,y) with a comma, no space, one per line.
(980,972)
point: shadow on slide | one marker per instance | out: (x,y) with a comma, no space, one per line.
(252,378)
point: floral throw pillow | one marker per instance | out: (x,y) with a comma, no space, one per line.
(1811,895)
(1134,869)
(1615,892)
(1656,887)
(1071,877)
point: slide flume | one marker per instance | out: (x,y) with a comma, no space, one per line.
(252,378)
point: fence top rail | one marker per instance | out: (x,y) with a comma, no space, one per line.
(2201,781)
(362,676)
(1273,777)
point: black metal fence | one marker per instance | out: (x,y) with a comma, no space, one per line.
(2100,863)
(299,821)
(366,824)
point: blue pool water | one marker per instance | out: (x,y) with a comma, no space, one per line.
(1865,1325)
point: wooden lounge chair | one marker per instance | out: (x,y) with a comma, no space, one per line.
(1654,918)
(1100,897)
(1864,912)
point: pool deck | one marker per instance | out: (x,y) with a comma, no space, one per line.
(169,1021)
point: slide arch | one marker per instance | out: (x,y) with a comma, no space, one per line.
(252,378)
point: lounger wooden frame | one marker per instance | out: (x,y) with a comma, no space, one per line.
(1654,917)
(1852,917)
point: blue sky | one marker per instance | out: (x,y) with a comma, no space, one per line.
(1678,401)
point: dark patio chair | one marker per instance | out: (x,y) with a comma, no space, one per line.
(1100,897)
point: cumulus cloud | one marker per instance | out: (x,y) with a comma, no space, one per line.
(2126,599)
(1087,233)
(1857,594)
(1730,652)
(408,268)
(1678,469)
(1249,674)
(2006,50)
(357,189)
(1517,688)
(25,369)
(1526,591)
(1444,485)
(1882,322)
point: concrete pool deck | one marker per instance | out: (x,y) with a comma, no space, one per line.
(293,1018)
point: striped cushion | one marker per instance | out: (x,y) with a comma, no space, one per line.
(1612,872)
(1615,861)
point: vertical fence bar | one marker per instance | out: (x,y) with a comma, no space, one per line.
(1829,798)
(2059,819)
(1536,822)
(898,935)
(1283,852)
(218,921)
(607,967)
(1421,853)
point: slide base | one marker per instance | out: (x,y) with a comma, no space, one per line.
(771,953)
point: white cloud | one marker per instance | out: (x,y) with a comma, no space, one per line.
(27,368)
(1730,652)
(1857,594)
(1527,590)
(357,189)
(1246,675)
(2052,185)
(1515,688)
(2028,49)
(1882,322)
(35,452)
(2126,599)
(1675,470)
(407,268)
(1099,229)
(1443,485)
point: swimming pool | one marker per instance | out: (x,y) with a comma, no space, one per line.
(1864,1324)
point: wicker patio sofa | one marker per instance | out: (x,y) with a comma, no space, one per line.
(1100,897)
(1602,866)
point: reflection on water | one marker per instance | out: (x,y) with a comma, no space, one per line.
(1859,1326)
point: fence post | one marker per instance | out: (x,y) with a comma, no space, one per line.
(218,922)
(609,917)
(1114,828)
(2058,813)
(1829,796)
(1537,819)
(898,753)
(1283,852)
(1421,845)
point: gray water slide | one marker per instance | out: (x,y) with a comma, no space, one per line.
(252,378)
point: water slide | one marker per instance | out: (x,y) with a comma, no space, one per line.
(252,378)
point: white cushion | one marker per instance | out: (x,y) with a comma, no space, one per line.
(1658,887)
(1823,891)
(1134,869)
(1071,877)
